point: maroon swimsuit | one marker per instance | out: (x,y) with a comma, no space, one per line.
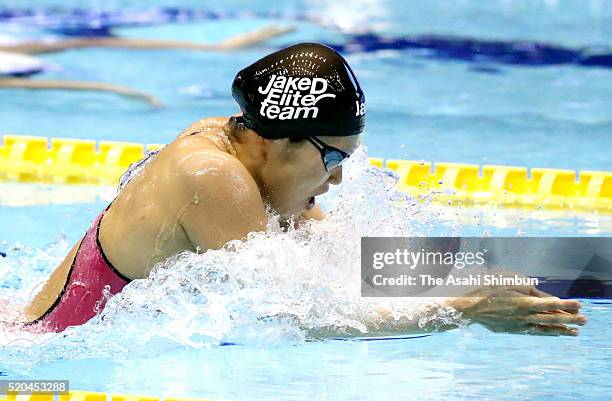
(82,296)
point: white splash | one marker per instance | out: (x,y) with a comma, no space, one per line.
(273,288)
(350,16)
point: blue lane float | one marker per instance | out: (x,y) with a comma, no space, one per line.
(96,23)
(474,50)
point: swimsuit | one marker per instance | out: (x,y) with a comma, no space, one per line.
(83,294)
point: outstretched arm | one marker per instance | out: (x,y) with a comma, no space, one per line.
(517,309)
(252,38)
(80,86)
(237,42)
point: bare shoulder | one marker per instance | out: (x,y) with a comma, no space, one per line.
(203,125)
(196,162)
(214,194)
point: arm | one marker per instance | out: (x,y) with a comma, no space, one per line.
(81,86)
(519,310)
(46,296)
(255,37)
(237,42)
(383,321)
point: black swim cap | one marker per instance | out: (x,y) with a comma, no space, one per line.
(303,90)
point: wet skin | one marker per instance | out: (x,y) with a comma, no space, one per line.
(204,189)
(201,191)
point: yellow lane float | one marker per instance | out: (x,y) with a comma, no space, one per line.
(77,161)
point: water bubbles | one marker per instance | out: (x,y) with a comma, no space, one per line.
(276,287)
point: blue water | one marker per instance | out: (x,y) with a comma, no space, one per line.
(420,106)
(469,364)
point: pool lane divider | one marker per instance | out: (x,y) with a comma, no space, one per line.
(32,159)
(66,161)
(77,395)
(456,184)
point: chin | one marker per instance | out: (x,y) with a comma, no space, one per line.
(286,211)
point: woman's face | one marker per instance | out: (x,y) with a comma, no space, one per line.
(294,172)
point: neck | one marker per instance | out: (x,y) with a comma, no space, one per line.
(249,151)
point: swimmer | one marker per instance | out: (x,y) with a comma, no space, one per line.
(13,55)
(233,43)
(14,66)
(302,115)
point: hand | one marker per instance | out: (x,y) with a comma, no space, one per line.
(520,309)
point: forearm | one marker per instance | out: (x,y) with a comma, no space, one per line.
(383,321)
(37,47)
(254,37)
(434,317)
(80,86)
(112,42)
(239,41)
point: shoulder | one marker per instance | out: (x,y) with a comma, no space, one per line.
(208,182)
(210,172)
(214,196)
(203,125)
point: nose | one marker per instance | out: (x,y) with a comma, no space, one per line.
(336,176)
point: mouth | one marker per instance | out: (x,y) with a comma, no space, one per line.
(310,203)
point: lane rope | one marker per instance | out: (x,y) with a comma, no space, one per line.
(32,159)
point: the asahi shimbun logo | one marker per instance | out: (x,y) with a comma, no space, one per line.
(290,98)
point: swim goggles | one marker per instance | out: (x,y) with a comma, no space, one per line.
(332,157)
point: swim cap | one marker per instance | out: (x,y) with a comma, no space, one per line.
(20,65)
(307,89)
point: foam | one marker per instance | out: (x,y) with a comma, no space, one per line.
(274,288)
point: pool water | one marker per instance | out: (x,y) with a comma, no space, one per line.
(465,364)
(162,335)
(235,323)
(419,106)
